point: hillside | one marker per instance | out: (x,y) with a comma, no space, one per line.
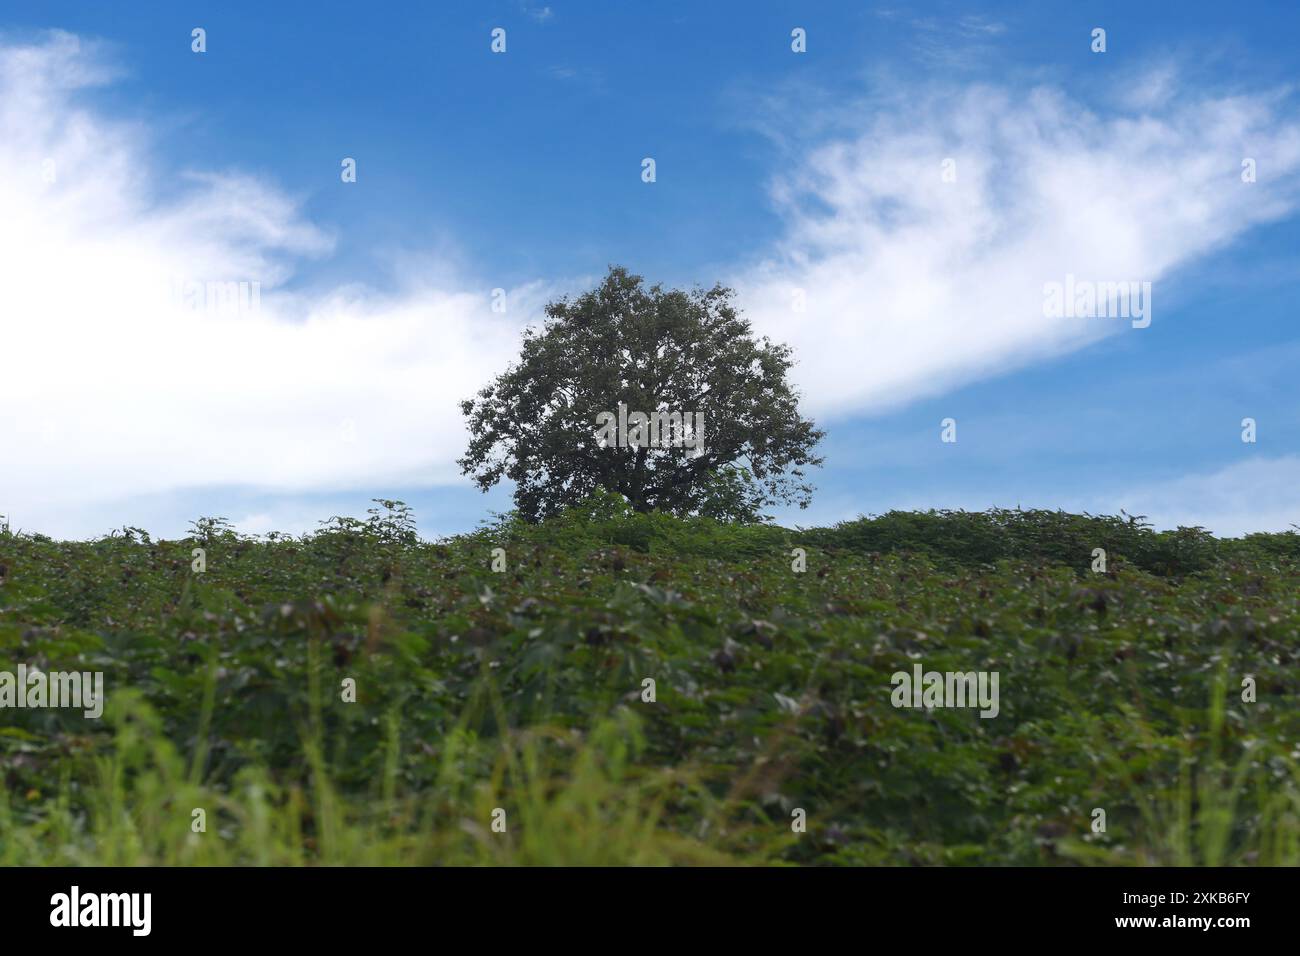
(522,690)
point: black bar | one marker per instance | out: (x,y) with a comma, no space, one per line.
(621,906)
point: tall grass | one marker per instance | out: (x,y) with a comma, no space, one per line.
(1228,802)
(569,799)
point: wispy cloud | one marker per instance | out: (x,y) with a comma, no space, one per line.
(1261,494)
(913,285)
(949,41)
(536,11)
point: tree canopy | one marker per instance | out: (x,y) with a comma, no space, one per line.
(663,396)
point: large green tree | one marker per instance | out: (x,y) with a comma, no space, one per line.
(552,422)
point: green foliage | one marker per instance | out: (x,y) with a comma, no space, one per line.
(652,350)
(969,539)
(521,690)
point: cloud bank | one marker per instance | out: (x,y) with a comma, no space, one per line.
(152,344)
(911,285)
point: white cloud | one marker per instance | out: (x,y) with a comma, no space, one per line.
(915,285)
(1261,494)
(114,388)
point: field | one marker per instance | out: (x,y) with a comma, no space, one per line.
(501,716)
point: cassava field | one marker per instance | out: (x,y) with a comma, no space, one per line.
(1161,691)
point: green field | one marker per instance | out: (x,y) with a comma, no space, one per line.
(521,690)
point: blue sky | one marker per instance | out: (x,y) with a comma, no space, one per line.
(775,170)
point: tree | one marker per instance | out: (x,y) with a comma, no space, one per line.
(665,397)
